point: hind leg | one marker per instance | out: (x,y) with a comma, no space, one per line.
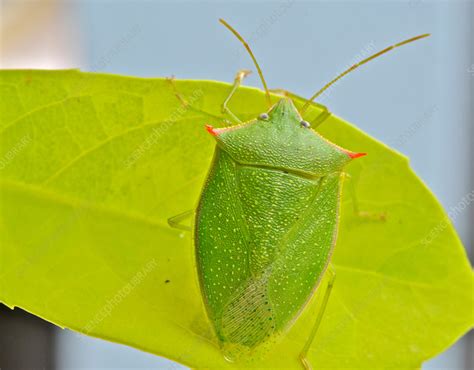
(304,353)
(367,215)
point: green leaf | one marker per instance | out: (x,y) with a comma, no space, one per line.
(92,166)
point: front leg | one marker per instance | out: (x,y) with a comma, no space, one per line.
(319,119)
(176,222)
(237,81)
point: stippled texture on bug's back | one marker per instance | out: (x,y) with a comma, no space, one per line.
(281,141)
(306,249)
(272,201)
(248,318)
(265,226)
(292,223)
(237,299)
(221,239)
(245,247)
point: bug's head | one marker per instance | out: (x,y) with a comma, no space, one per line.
(282,139)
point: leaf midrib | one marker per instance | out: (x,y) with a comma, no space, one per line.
(65,200)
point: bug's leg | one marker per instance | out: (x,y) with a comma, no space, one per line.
(176,221)
(178,95)
(281,92)
(321,117)
(237,81)
(322,309)
(375,216)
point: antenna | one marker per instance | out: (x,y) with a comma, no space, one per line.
(241,39)
(355,66)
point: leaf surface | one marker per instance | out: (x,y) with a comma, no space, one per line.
(91,168)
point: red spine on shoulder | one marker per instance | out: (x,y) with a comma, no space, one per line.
(356,155)
(210,129)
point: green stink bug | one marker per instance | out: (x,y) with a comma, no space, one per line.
(267,220)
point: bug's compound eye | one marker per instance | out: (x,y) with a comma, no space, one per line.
(305,124)
(263,116)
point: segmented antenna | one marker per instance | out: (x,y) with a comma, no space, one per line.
(350,69)
(241,39)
